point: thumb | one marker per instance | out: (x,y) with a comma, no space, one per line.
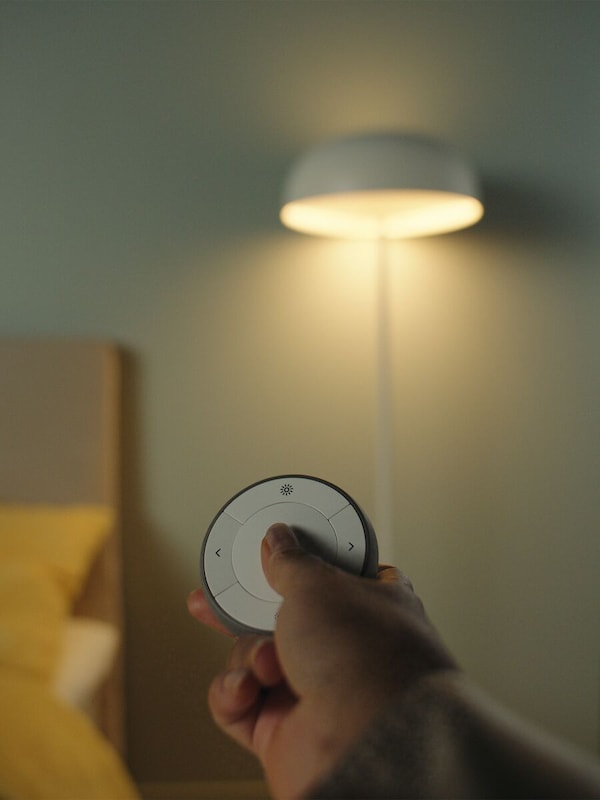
(285,563)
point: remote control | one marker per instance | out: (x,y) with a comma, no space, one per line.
(326,520)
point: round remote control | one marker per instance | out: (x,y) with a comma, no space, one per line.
(326,520)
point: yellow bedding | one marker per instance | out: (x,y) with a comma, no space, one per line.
(50,752)
(32,615)
(45,556)
(62,538)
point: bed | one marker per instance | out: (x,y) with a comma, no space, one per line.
(62,725)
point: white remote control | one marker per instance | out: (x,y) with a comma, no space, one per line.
(326,520)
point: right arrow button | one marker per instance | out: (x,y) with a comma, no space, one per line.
(351,539)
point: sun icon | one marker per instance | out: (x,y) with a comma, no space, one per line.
(286,489)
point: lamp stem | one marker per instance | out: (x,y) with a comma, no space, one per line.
(384,502)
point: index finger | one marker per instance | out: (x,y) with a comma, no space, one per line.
(200,609)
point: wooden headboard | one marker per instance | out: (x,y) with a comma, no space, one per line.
(59,443)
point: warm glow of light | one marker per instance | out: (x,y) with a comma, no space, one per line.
(389,214)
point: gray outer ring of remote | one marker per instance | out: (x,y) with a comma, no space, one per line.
(369,569)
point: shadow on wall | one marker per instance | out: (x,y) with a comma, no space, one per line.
(514,209)
(166,682)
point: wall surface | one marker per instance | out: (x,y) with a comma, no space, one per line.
(143,151)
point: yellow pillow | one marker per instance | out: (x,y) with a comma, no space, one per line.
(63,538)
(48,751)
(32,614)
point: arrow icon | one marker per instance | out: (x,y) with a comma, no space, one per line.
(351,546)
(218,553)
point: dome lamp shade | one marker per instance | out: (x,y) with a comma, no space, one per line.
(381,185)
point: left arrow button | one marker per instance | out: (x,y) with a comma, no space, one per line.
(217,567)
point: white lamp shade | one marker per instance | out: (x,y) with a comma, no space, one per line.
(377,185)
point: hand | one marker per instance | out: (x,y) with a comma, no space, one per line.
(343,648)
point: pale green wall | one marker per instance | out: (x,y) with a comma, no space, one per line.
(143,147)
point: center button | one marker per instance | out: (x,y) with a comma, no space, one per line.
(310,526)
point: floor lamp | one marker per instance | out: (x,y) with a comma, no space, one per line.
(381,186)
